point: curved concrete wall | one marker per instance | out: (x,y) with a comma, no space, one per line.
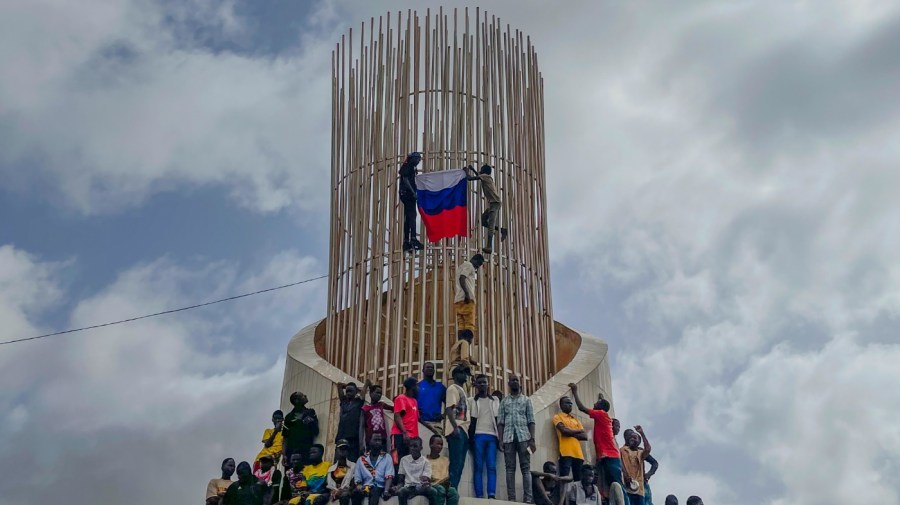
(305,370)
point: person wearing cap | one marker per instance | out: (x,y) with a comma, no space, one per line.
(266,471)
(268,476)
(492,199)
(457,422)
(406,417)
(464,307)
(515,422)
(407,193)
(633,457)
(340,474)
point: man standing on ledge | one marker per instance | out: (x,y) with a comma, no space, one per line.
(464,304)
(457,426)
(633,457)
(609,464)
(516,424)
(406,417)
(492,199)
(570,433)
(431,399)
(301,426)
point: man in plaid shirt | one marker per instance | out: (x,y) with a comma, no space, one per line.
(516,425)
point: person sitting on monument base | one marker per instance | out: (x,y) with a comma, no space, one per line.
(492,199)
(464,305)
(415,475)
(546,486)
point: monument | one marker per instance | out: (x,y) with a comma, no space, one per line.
(461,88)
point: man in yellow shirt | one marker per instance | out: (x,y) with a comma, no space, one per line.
(570,433)
(272,440)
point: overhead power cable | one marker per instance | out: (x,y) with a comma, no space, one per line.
(172,311)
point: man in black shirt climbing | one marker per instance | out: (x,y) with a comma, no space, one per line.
(408,199)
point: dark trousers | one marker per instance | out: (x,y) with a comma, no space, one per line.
(458,443)
(567,463)
(374,494)
(407,492)
(400,446)
(510,452)
(409,220)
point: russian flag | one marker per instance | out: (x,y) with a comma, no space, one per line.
(442,203)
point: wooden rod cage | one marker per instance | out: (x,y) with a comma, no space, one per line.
(461,89)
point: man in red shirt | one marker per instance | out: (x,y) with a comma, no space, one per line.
(609,463)
(406,417)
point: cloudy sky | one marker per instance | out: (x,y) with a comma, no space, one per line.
(723,181)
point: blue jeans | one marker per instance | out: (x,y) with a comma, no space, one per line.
(612,470)
(648,496)
(485,454)
(458,443)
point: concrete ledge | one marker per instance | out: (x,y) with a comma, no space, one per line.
(306,371)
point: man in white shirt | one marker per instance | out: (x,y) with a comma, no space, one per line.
(483,431)
(583,492)
(416,474)
(464,307)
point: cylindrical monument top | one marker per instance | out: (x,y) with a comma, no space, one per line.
(461,90)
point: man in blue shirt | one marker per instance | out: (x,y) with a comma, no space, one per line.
(373,474)
(431,399)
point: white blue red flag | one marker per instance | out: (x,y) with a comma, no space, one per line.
(442,203)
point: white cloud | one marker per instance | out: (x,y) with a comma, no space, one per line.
(199,384)
(110,107)
(820,422)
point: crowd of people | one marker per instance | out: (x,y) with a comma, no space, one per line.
(376,460)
